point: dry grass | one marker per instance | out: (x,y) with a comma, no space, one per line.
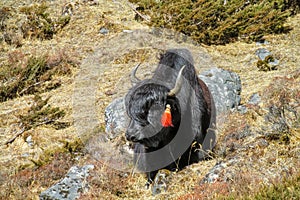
(253,165)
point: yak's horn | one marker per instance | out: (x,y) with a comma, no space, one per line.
(178,83)
(133,78)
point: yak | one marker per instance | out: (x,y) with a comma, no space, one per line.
(172,116)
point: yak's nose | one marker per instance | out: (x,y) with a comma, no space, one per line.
(131,137)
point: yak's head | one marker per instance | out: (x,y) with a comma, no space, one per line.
(154,113)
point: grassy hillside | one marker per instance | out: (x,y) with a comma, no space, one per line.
(47,46)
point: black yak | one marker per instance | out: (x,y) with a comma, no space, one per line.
(172,116)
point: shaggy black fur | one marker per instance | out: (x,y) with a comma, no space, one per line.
(191,116)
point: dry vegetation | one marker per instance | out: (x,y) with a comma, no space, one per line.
(46,44)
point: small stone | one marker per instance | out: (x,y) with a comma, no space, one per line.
(160,183)
(254,99)
(25,155)
(262,142)
(214,174)
(104,31)
(262,53)
(127,31)
(266,61)
(29,141)
(242,109)
(262,42)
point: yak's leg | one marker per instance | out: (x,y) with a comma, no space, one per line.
(140,158)
(150,178)
(207,145)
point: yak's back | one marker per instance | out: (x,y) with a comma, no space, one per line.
(171,62)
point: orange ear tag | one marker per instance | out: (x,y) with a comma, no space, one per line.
(166,119)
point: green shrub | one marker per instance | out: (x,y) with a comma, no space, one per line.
(23,75)
(214,22)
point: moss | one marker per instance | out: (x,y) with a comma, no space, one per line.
(69,149)
(264,65)
(213,22)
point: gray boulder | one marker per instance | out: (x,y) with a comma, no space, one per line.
(225,87)
(116,119)
(69,187)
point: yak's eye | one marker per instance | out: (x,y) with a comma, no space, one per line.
(141,119)
(144,123)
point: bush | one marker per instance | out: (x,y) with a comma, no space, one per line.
(217,22)
(23,75)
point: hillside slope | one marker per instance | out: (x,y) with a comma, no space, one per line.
(41,70)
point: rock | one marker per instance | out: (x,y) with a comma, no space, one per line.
(254,99)
(262,42)
(29,141)
(91,2)
(214,174)
(262,142)
(103,31)
(69,187)
(222,171)
(116,119)
(160,182)
(127,31)
(242,109)
(262,53)
(25,155)
(225,87)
